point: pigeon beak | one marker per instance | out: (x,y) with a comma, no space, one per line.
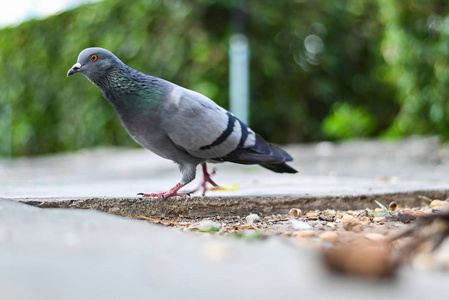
(75,69)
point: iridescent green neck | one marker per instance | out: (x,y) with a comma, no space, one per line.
(130,91)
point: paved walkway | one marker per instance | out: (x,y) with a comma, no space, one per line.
(324,169)
(86,254)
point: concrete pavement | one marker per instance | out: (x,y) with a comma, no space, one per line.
(340,176)
(86,254)
(82,254)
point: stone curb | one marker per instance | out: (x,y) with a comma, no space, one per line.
(203,207)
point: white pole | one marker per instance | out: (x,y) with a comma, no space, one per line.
(239,77)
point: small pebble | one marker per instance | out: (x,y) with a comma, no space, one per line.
(329,236)
(350,219)
(205,225)
(348,226)
(252,218)
(317,223)
(294,213)
(365,220)
(437,203)
(383,178)
(375,236)
(331,224)
(300,225)
(379,220)
(304,233)
(312,215)
(357,228)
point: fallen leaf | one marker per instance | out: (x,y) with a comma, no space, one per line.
(232,187)
(381,206)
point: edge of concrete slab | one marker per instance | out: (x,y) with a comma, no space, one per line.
(202,207)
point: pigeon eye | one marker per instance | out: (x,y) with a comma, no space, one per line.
(93,57)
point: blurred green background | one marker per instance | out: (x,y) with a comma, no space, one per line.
(319,69)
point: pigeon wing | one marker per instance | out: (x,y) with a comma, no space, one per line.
(201,127)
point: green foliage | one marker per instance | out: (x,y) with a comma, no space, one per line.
(310,54)
(386,59)
(416,49)
(347,122)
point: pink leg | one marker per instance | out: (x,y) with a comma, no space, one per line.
(206,179)
(170,193)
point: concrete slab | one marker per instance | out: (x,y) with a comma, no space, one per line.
(203,207)
(83,254)
(339,176)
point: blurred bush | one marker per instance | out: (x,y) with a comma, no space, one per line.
(319,69)
(416,49)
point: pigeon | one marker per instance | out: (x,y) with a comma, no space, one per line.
(176,123)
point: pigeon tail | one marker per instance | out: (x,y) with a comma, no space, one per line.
(263,153)
(279,168)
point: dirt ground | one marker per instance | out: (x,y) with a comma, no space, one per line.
(368,242)
(386,220)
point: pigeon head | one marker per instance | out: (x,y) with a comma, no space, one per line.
(94,63)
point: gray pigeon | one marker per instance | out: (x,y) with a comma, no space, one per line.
(176,123)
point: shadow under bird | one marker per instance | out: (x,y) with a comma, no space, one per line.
(176,123)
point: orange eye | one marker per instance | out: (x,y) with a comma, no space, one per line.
(93,57)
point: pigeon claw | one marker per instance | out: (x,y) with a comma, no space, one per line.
(206,179)
(170,193)
(164,195)
(167,195)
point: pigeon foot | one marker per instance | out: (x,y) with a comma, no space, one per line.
(206,179)
(170,193)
